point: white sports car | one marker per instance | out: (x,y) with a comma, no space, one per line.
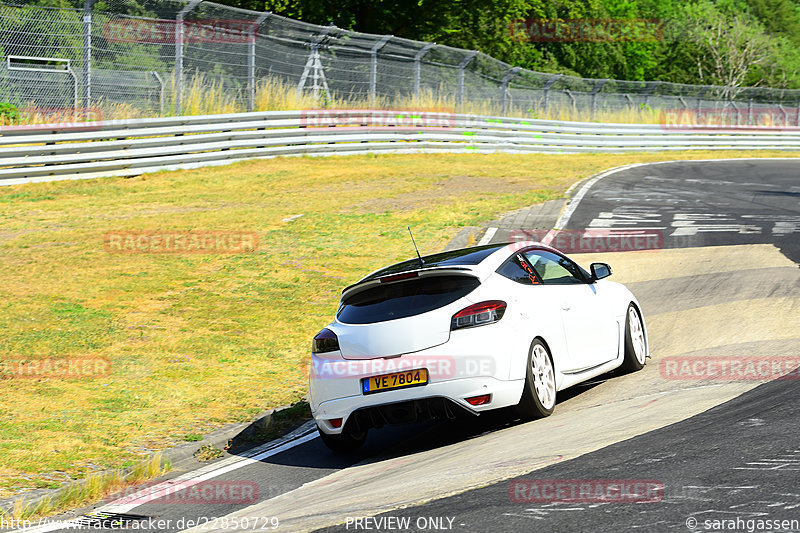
(467,331)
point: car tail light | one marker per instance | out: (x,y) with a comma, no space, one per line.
(479,400)
(478,314)
(336,422)
(398,277)
(325,341)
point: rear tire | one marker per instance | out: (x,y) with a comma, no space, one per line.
(539,396)
(635,344)
(348,441)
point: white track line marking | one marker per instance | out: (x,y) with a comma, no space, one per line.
(303,434)
(573,202)
(239,462)
(487,236)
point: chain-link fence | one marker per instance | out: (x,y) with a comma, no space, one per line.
(149,56)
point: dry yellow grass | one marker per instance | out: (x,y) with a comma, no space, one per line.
(196,341)
(93,488)
(203,95)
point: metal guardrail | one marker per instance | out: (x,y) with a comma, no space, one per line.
(133,147)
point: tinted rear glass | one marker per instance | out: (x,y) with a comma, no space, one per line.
(391,301)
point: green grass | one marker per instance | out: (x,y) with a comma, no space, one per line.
(197,341)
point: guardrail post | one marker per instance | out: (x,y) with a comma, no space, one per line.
(504,84)
(373,71)
(461,67)
(179,33)
(595,90)
(417,66)
(251,60)
(546,90)
(87,53)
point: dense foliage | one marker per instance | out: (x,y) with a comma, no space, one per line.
(707,42)
(725,42)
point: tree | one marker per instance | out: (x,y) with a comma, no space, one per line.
(731,45)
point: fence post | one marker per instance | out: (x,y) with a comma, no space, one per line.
(417,66)
(700,96)
(160,93)
(631,104)
(736,115)
(572,99)
(461,66)
(798,113)
(649,88)
(373,71)
(87,53)
(251,59)
(546,89)
(504,85)
(595,90)
(74,92)
(179,33)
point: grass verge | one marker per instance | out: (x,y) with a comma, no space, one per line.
(93,488)
(195,341)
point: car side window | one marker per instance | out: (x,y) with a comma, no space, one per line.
(554,269)
(517,269)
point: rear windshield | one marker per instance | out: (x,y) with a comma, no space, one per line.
(391,301)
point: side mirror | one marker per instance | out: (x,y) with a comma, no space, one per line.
(600,270)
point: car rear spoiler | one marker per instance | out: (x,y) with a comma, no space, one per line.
(403,276)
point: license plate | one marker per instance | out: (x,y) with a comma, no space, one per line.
(397,380)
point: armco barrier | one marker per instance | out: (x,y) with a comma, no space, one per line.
(132,147)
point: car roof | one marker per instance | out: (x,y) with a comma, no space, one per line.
(463,257)
(481,261)
(478,259)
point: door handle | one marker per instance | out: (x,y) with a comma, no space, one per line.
(565,306)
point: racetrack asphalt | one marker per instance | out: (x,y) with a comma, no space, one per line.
(725,285)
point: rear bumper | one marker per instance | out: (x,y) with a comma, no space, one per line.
(504,393)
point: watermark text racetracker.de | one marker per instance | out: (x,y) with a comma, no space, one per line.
(180,242)
(588,30)
(378,118)
(438,366)
(729,368)
(590,240)
(206,492)
(46,119)
(54,367)
(586,491)
(220,31)
(723,120)
(150,523)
